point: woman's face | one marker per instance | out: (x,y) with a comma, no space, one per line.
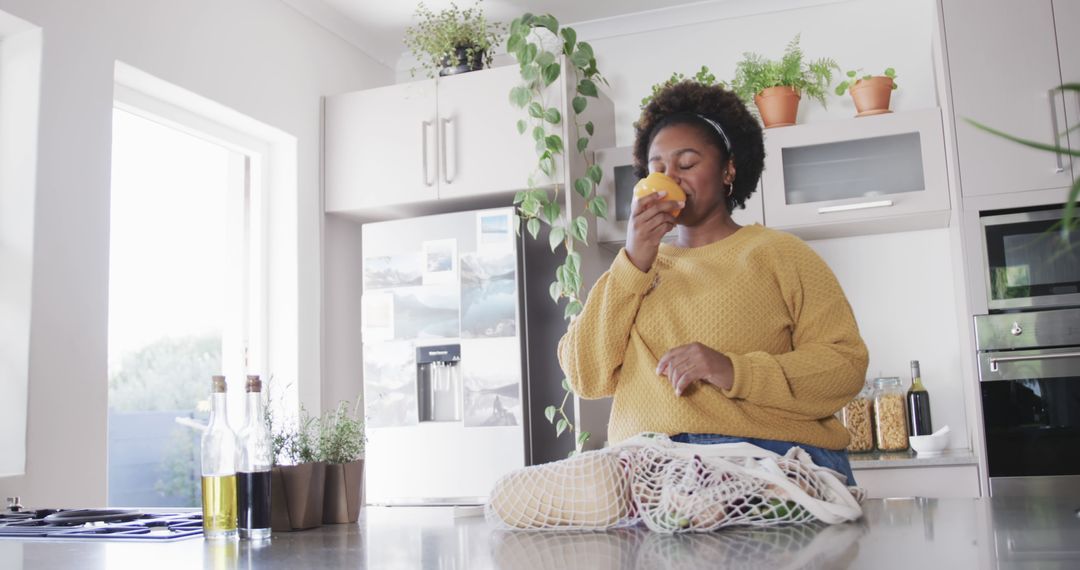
(685,154)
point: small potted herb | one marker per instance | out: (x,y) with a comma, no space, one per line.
(703,76)
(341,443)
(452,40)
(871,93)
(777,86)
(298,477)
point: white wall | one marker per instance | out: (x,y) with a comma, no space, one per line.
(258,57)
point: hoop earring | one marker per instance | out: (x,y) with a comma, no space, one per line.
(730,189)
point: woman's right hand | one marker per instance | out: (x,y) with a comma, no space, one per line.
(650,220)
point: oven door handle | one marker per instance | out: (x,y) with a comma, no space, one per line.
(994,360)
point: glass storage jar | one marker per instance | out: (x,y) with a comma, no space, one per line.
(890,414)
(858,417)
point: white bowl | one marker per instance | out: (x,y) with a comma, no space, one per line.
(929,445)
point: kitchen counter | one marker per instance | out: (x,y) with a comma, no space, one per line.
(893,533)
(908,458)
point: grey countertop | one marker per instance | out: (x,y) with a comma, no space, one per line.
(908,458)
(912,534)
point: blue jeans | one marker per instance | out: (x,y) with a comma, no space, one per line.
(832,459)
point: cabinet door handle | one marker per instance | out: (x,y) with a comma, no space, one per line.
(423,142)
(859,206)
(1052,96)
(445,150)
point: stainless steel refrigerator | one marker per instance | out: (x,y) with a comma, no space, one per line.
(459,349)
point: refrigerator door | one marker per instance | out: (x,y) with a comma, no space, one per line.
(435,281)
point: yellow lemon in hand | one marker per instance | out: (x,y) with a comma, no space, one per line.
(657,181)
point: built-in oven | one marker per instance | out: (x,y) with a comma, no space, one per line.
(1029,375)
(1029,262)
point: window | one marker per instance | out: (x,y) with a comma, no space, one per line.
(185,295)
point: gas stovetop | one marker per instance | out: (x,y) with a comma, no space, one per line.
(99,524)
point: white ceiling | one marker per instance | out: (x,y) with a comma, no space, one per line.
(378,26)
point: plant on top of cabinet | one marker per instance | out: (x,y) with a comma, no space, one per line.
(540,67)
(453,40)
(871,93)
(1069,221)
(776,86)
(703,76)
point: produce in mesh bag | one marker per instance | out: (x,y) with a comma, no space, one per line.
(673,487)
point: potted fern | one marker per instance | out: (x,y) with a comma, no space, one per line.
(298,476)
(777,86)
(453,40)
(871,93)
(341,443)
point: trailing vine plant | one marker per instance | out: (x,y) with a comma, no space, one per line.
(539,204)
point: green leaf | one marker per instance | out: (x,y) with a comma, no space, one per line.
(548,21)
(587,88)
(541,146)
(578,103)
(535,110)
(589,128)
(555,237)
(890,72)
(566,385)
(520,96)
(518,28)
(513,44)
(594,173)
(555,290)
(582,143)
(545,58)
(554,143)
(519,197)
(529,53)
(521,126)
(569,40)
(573,261)
(579,58)
(598,206)
(585,48)
(534,227)
(538,133)
(583,186)
(531,206)
(530,72)
(552,211)
(580,229)
(549,413)
(551,73)
(1032,144)
(561,426)
(552,116)
(572,453)
(547,166)
(582,437)
(572,308)
(517,225)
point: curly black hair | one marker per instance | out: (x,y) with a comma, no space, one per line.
(681,103)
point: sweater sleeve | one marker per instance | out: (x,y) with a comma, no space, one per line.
(827,365)
(592,350)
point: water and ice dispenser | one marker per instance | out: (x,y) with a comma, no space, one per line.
(438,381)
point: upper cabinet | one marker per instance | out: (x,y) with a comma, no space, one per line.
(874,174)
(1005,62)
(452,137)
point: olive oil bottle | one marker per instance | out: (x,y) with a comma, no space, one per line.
(219,469)
(918,404)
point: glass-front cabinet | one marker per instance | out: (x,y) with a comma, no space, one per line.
(874,174)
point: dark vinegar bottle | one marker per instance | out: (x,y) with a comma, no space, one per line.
(918,404)
(253,468)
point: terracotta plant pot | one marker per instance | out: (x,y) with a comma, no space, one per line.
(296,496)
(872,95)
(344,492)
(778,106)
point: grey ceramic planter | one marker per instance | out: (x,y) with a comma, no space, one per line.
(297,491)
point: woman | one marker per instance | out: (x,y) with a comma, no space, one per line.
(733,333)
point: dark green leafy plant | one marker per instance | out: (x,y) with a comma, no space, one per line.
(341,435)
(703,76)
(853,78)
(436,39)
(537,205)
(811,78)
(1068,220)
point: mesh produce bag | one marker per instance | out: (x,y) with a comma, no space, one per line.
(672,487)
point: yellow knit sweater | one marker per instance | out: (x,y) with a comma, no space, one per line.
(761,297)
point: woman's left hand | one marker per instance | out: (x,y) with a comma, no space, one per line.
(686,364)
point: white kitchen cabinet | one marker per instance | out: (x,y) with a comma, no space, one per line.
(452,137)
(380,147)
(866,175)
(1005,62)
(1067,22)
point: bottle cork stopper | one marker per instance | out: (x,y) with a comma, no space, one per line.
(253,383)
(219,383)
